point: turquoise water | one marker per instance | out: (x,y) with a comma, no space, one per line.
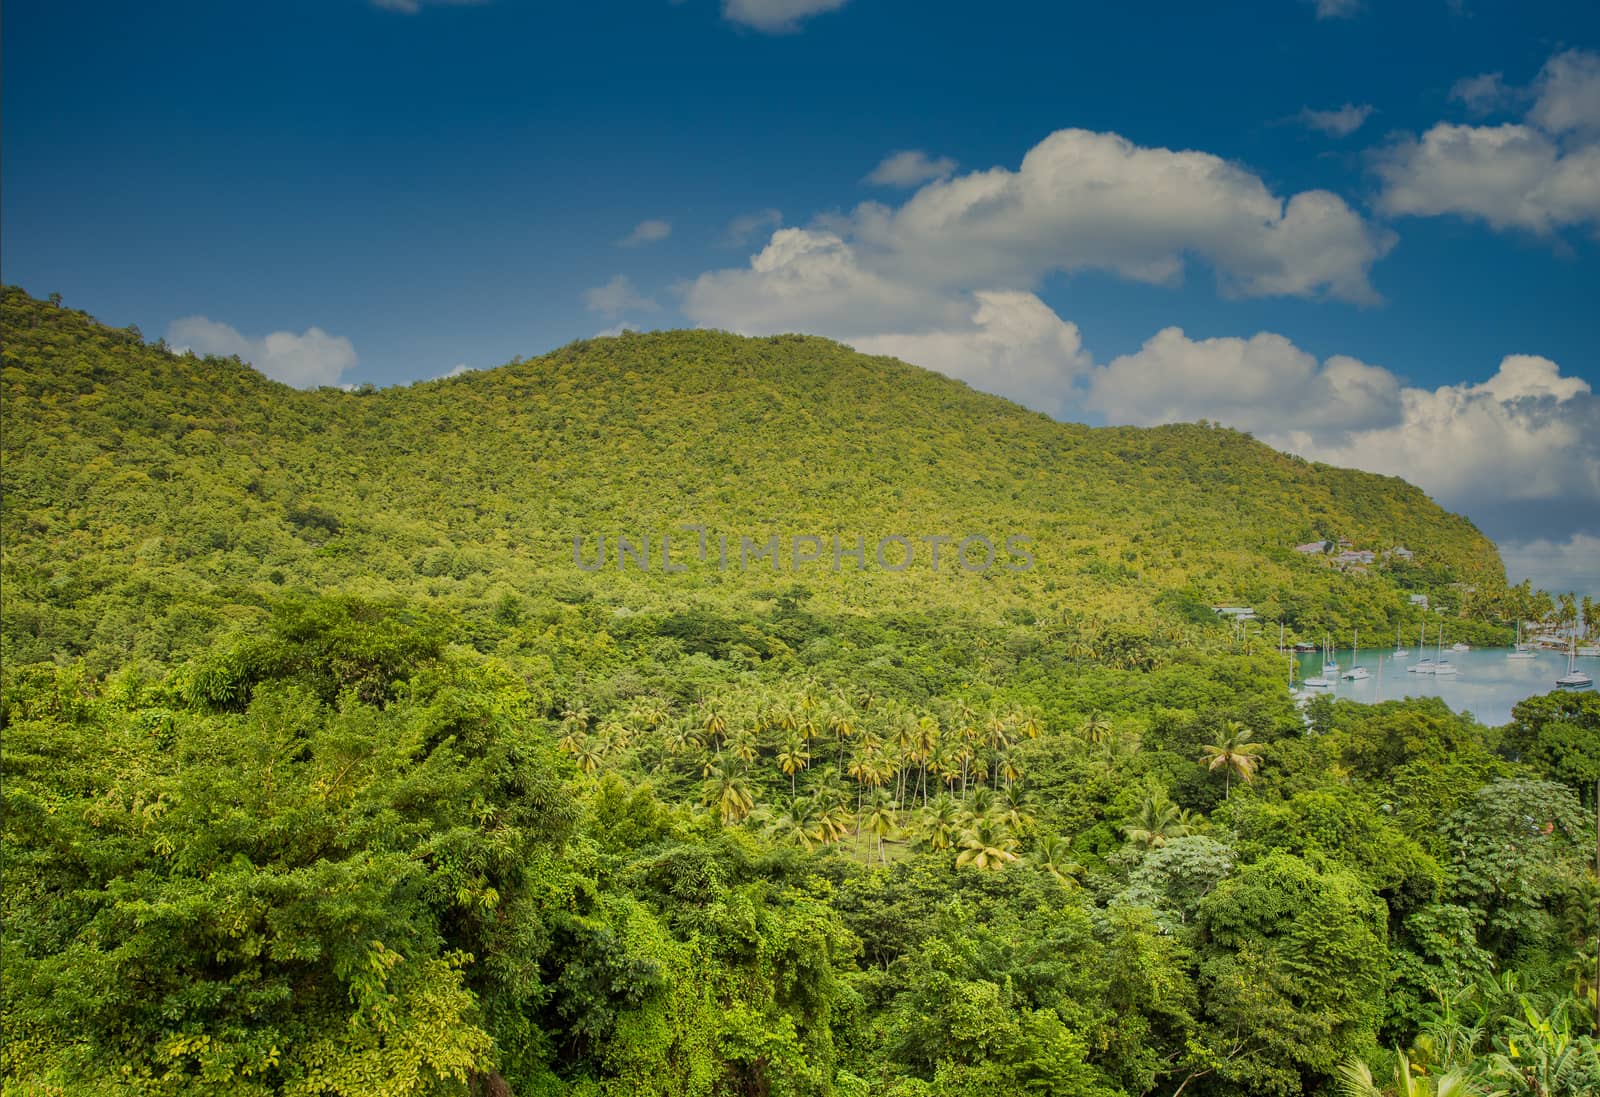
(1487,686)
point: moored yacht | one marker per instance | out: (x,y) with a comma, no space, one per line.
(1574,678)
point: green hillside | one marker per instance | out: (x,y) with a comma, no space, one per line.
(328,772)
(137,481)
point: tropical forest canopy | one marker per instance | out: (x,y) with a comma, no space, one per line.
(328,769)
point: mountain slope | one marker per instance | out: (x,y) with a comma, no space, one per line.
(152,499)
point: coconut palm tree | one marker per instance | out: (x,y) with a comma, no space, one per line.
(589,755)
(1230,753)
(1055,857)
(833,814)
(711,719)
(880,821)
(1096,729)
(800,822)
(986,845)
(940,823)
(793,757)
(729,793)
(1158,821)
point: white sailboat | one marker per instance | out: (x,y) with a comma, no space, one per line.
(1329,660)
(1574,678)
(1399,651)
(1441,665)
(1521,651)
(1355,673)
(1425,664)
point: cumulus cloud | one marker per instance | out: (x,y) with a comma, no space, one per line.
(307,360)
(1013,345)
(1568,94)
(1572,564)
(1078,201)
(1540,175)
(617,296)
(1339,122)
(746,225)
(776,16)
(1256,384)
(1519,452)
(909,168)
(646,232)
(1509,176)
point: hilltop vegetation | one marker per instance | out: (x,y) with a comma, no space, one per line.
(328,771)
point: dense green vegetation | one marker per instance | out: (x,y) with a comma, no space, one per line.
(327,771)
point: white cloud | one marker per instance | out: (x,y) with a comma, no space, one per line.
(776,16)
(1572,564)
(1339,122)
(617,296)
(746,225)
(809,280)
(1510,176)
(646,232)
(1079,201)
(1485,93)
(1257,384)
(1568,94)
(909,168)
(1539,176)
(1337,9)
(305,361)
(1014,345)
(1519,452)
(457,370)
(1082,200)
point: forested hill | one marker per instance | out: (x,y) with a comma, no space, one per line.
(153,499)
(327,771)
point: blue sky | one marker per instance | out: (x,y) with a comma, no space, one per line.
(1375,222)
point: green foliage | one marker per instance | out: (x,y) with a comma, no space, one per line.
(327,771)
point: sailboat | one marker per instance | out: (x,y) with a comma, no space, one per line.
(1521,651)
(1329,660)
(1425,664)
(1574,678)
(1321,679)
(1441,665)
(1355,673)
(1399,651)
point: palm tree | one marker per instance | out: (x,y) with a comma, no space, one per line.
(940,822)
(1158,821)
(1096,730)
(800,822)
(1055,857)
(986,845)
(1028,724)
(880,821)
(742,743)
(1355,1080)
(729,793)
(1231,754)
(588,756)
(793,758)
(712,722)
(833,814)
